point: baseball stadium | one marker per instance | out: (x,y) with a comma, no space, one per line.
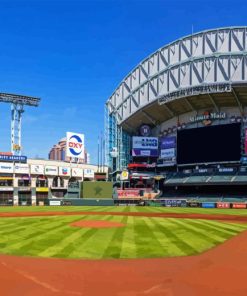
(171,219)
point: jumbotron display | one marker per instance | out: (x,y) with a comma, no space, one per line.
(220,143)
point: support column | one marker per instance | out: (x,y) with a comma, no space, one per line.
(15,197)
(16,114)
(33,196)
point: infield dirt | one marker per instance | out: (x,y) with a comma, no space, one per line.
(219,271)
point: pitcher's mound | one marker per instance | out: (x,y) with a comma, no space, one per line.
(96,224)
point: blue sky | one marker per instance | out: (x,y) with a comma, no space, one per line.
(72,54)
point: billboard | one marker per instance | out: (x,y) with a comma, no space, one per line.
(64,171)
(168,142)
(144,146)
(21,168)
(76,172)
(88,173)
(223,205)
(239,206)
(37,169)
(75,145)
(218,143)
(12,158)
(51,170)
(208,205)
(6,168)
(167,153)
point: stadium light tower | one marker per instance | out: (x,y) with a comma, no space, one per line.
(17,108)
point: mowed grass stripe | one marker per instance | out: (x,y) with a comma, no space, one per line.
(178,245)
(59,243)
(206,233)
(113,249)
(200,240)
(77,248)
(225,228)
(147,244)
(168,247)
(33,239)
(128,248)
(37,238)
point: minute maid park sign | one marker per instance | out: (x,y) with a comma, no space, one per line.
(208,117)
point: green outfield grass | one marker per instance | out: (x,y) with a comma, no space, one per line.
(142,237)
(242,212)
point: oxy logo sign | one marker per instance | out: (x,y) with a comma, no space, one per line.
(75,145)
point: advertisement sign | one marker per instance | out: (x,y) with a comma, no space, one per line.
(208,205)
(76,172)
(6,168)
(145,146)
(42,189)
(6,188)
(12,158)
(239,206)
(167,153)
(6,153)
(167,162)
(51,170)
(168,142)
(193,204)
(128,193)
(174,203)
(75,145)
(144,153)
(124,176)
(64,171)
(145,143)
(88,173)
(223,205)
(55,202)
(37,169)
(20,168)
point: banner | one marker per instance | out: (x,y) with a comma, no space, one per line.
(174,203)
(51,170)
(145,143)
(167,153)
(6,168)
(239,206)
(12,158)
(20,168)
(77,172)
(193,204)
(223,205)
(208,205)
(42,189)
(75,145)
(64,171)
(37,169)
(142,152)
(55,202)
(88,173)
(168,142)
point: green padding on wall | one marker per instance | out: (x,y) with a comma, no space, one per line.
(96,189)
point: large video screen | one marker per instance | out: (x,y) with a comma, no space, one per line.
(218,143)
